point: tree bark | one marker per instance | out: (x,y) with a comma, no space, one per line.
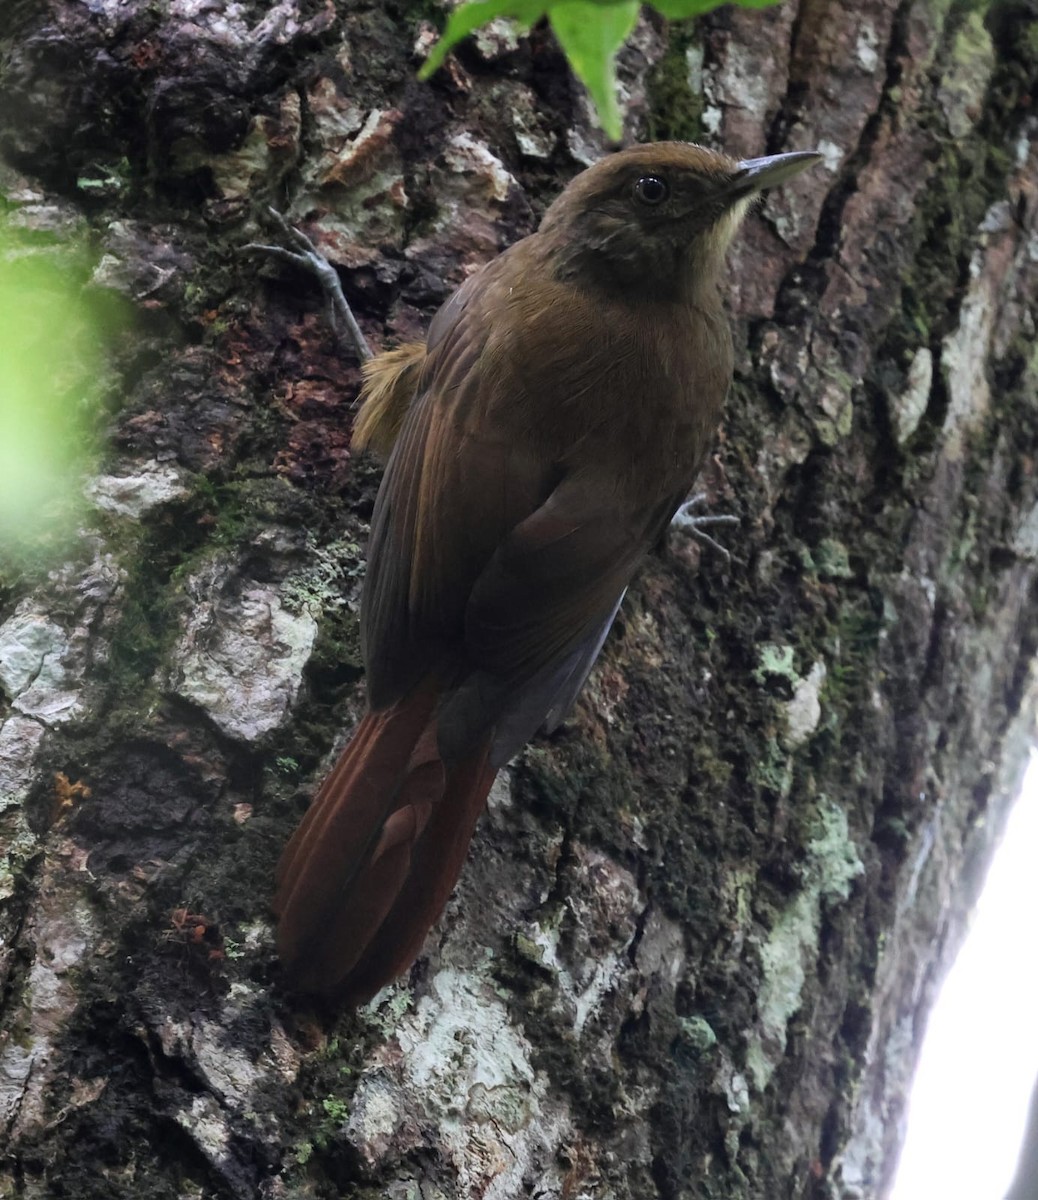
(700,928)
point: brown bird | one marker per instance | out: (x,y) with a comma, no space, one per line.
(539,442)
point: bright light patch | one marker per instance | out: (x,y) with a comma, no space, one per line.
(980,1058)
(50,357)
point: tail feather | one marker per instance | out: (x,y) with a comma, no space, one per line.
(321,866)
(436,862)
(374,860)
(322,810)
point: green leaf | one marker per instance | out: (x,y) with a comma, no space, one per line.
(51,347)
(467,17)
(677,10)
(590,33)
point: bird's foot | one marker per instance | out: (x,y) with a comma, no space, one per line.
(696,525)
(306,255)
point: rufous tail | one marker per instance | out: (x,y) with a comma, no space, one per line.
(374,861)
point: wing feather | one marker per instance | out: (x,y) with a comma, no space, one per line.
(453,488)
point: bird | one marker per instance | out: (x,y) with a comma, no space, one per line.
(537,445)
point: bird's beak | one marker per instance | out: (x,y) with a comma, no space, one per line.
(755,174)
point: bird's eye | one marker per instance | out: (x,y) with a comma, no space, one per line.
(651,190)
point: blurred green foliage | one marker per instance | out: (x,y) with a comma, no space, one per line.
(590,33)
(51,355)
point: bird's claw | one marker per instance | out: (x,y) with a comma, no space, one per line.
(309,258)
(688,522)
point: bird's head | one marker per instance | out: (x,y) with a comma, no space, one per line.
(657,218)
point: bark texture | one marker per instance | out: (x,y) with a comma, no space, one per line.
(695,944)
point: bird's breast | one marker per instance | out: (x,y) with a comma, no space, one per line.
(630,392)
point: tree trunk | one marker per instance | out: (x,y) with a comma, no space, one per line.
(694,946)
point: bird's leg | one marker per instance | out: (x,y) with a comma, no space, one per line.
(685,520)
(306,255)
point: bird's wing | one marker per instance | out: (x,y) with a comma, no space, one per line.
(447,502)
(539,612)
(455,485)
